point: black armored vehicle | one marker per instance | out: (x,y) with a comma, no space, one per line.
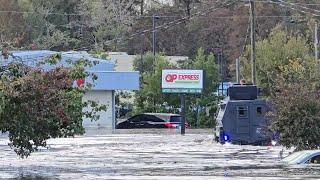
(241,117)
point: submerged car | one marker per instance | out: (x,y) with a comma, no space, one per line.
(152,120)
(303,157)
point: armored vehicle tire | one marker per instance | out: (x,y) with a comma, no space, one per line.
(263,143)
(216,138)
(221,140)
(258,143)
(240,142)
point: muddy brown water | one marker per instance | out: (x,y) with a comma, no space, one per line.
(149,154)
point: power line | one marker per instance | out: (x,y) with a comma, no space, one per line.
(42,13)
(168,25)
(290,5)
(172,16)
(177,22)
(162,16)
(76,14)
(306,4)
(293,8)
(309,4)
(81,14)
(245,17)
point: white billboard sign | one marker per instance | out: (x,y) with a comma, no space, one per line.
(182,81)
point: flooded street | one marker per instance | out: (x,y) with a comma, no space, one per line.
(148,154)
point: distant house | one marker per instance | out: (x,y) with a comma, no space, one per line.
(104,88)
(223,88)
(124,62)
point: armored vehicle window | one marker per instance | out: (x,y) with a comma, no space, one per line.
(259,111)
(242,112)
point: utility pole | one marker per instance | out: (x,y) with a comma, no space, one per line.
(253,43)
(218,52)
(316,41)
(141,54)
(154,36)
(221,70)
(141,7)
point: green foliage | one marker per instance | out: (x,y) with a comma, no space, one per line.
(39,104)
(287,70)
(150,98)
(207,100)
(272,53)
(12,27)
(106,20)
(208,64)
(144,63)
(63,25)
(46,30)
(296,106)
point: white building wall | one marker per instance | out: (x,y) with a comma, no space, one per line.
(124,62)
(106,117)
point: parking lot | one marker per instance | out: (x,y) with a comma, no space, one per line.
(148,154)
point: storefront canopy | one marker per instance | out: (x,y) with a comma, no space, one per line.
(108,79)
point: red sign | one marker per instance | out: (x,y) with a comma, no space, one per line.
(185,79)
(173,77)
(80,82)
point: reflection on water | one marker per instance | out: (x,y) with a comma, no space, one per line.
(33,177)
(148,154)
(106,131)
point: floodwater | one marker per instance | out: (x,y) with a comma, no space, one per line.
(148,154)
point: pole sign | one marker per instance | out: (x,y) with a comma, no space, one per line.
(182,81)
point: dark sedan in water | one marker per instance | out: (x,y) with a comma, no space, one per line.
(152,120)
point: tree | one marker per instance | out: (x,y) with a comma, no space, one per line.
(38,104)
(150,97)
(288,72)
(11,25)
(207,100)
(296,106)
(48,26)
(220,26)
(63,25)
(186,4)
(208,64)
(272,53)
(105,22)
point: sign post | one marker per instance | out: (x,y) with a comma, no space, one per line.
(182,82)
(183,114)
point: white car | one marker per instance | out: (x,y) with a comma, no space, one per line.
(303,157)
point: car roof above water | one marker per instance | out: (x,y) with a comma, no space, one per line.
(301,157)
(162,114)
(312,151)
